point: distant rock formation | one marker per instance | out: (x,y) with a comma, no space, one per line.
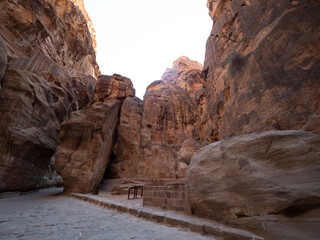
(48,61)
(158,136)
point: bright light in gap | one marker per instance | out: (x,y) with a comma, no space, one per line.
(140,39)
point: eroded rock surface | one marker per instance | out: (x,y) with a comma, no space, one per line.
(85,145)
(275,172)
(126,154)
(3,58)
(262,66)
(50,71)
(87,137)
(157,136)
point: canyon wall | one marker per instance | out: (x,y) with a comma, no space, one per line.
(47,70)
(261,72)
(262,67)
(158,136)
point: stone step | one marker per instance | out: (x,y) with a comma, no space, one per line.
(171,218)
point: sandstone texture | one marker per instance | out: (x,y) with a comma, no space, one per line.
(50,71)
(3,58)
(87,137)
(85,145)
(157,136)
(275,172)
(113,87)
(262,66)
(126,154)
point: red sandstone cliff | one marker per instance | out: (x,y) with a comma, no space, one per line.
(158,136)
(262,72)
(262,67)
(49,67)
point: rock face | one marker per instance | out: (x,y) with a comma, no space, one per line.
(262,66)
(3,58)
(85,145)
(50,71)
(86,139)
(126,154)
(256,175)
(157,136)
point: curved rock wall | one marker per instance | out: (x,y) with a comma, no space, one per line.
(50,71)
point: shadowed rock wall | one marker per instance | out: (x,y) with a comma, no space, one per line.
(262,67)
(50,71)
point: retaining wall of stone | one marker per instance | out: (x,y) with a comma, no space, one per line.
(172,197)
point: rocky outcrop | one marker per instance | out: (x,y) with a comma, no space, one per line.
(113,87)
(85,145)
(50,71)
(275,172)
(167,121)
(86,139)
(157,136)
(186,74)
(262,66)
(126,153)
(80,5)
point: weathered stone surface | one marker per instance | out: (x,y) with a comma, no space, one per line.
(275,172)
(113,87)
(85,145)
(157,136)
(262,67)
(168,120)
(3,59)
(51,71)
(87,138)
(184,73)
(80,5)
(125,163)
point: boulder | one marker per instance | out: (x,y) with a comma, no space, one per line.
(275,172)
(85,145)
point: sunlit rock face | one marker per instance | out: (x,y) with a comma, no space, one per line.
(157,136)
(262,66)
(80,5)
(50,71)
(87,137)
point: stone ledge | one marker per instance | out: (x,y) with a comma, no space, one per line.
(174,219)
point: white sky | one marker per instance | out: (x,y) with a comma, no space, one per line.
(139,39)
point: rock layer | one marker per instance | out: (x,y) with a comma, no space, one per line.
(50,71)
(262,66)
